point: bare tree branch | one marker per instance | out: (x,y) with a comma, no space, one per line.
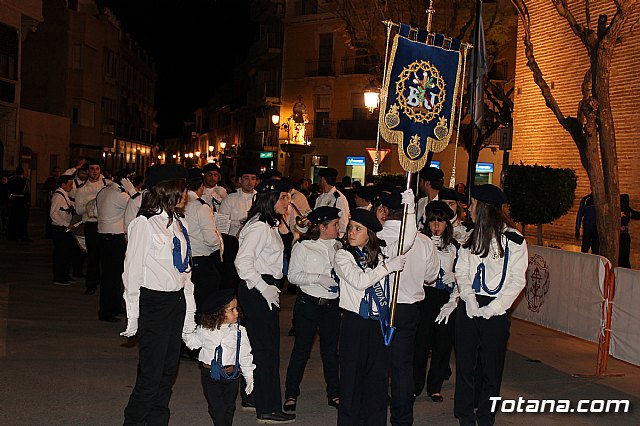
(587,12)
(584,34)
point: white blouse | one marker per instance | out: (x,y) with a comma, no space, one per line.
(261,251)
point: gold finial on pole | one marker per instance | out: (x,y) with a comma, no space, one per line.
(430,13)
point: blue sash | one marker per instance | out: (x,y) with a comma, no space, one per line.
(180,264)
(381,296)
(441,285)
(479,279)
(217,369)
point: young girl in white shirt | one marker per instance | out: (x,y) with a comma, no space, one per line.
(158,291)
(225,353)
(363,267)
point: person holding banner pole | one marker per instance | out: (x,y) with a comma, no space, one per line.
(491,273)
(364,266)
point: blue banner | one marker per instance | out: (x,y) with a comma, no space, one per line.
(418,99)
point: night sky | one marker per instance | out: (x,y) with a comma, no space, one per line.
(195,44)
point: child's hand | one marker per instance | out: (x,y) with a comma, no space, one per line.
(249,388)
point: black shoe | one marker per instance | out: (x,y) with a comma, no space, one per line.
(71,280)
(248,406)
(436,397)
(90,291)
(334,402)
(108,318)
(276,418)
(290,404)
(61,282)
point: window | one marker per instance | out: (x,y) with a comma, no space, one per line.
(83,113)
(325,54)
(305,7)
(75,113)
(8,52)
(322,124)
(76,57)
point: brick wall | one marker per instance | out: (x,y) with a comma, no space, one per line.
(539,138)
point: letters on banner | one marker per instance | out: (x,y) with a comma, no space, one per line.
(418,96)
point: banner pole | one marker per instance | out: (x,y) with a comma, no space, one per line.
(396,281)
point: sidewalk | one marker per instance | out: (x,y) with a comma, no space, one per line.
(59,365)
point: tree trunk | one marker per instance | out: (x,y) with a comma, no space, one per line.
(540,242)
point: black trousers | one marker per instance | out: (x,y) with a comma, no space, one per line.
(159,337)
(625,250)
(590,240)
(18,217)
(93,255)
(205,278)
(434,338)
(402,348)
(221,397)
(263,328)
(112,249)
(364,372)
(62,249)
(77,259)
(311,319)
(481,345)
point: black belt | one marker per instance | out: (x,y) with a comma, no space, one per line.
(320,301)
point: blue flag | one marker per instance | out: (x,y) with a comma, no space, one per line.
(477,87)
(418,96)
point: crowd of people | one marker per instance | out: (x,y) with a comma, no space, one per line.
(200,266)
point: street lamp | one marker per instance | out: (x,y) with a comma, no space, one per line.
(211,149)
(197,153)
(371,101)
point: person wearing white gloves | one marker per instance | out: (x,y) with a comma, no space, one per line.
(364,266)
(436,336)
(111,203)
(317,310)
(158,292)
(491,273)
(226,351)
(259,265)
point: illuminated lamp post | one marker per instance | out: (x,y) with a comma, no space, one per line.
(371,101)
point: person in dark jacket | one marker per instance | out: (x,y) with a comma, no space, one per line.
(18,206)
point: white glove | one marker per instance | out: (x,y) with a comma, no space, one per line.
(445,311)
(326,281)
(449,278)
(128,186)
(473,310)
(396,263)
(487,312)
(270,293)
(132,328)
(189,325)
(249,388)
(408,198)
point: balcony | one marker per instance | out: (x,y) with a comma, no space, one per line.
(319,69)
(343,129)
(498,71)
(351,65)
(262,92)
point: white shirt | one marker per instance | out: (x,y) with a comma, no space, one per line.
(354,281)
(133,206)
(422,216)
(203,233)
(214,196)
(329,199)
(422,263)
(515,279)
(309,260)
(149,262)
(236,205)
(460,233)
(60,203)
(446,256)
(227,336)
(111,203)
(260,252)
(85,198)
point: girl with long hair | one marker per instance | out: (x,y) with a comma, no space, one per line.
(259,265)
(363,267)
(158,291)
(491,273)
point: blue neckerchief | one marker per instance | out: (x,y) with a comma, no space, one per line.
(381,296)
(217,369)
(441,285)
(334,288)
(180,264)
(479,279)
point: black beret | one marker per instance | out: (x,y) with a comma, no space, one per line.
(431,174)
(270,174)
(366,192)
(392,200)
(211,167)
(94,162)
(246,171)
(217,300)
(489,194)
(163,173)
(273,185)
(323,214)
(195,174)
(366,218)
(328,172)
(438,206)
(450,194)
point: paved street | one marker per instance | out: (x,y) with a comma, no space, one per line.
(59,365)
